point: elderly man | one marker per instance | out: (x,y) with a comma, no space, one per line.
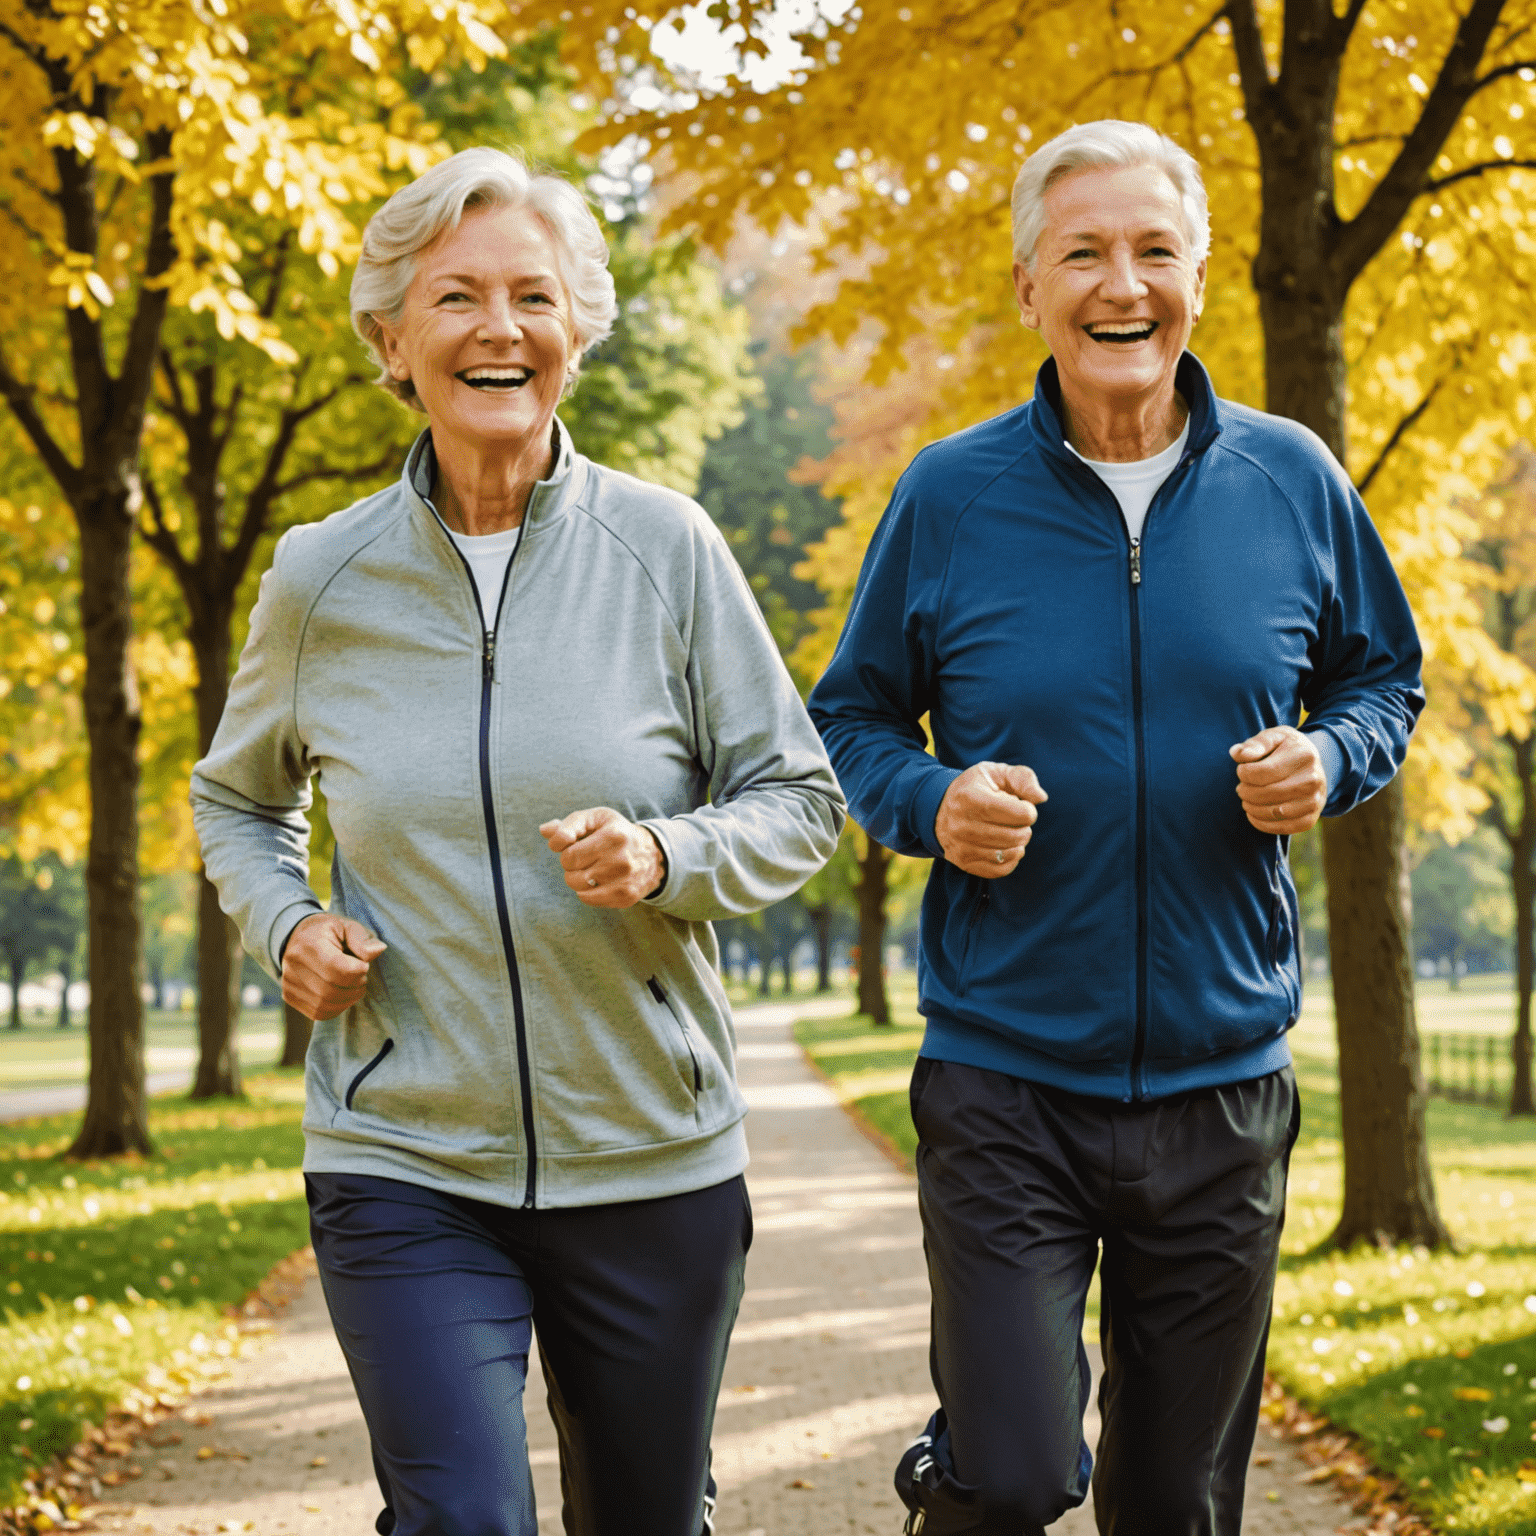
(1114,604)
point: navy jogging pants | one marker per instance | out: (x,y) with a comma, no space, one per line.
(436,1299)
(1021,1188)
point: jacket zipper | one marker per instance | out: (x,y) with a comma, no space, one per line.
(1138,717)
(488,806)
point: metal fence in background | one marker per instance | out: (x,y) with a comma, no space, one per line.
(1472,1069)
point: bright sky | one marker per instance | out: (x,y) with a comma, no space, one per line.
(706,51)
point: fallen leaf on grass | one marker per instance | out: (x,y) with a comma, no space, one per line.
(206,1453)
(801,1482)
(1526,1471)
(1263,1459)
(1433,1432)
(1319,1474)
(1473,1394)
(319,1461)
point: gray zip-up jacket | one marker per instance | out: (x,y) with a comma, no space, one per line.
(514,1045)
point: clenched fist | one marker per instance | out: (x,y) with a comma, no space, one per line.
(608,861)
(325,966)
(1280,780)
(986,818)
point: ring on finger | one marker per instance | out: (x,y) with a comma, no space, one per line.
(592,881)
(997,853)
(1280,812)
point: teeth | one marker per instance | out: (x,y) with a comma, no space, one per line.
(522,375)
(1121,328)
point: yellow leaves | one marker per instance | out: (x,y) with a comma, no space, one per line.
(85,288)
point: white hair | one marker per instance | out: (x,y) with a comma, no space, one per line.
(434,203)
(1106,143)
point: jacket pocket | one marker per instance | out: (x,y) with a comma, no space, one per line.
(357,1081)
(1281,939)
(972,933)
(661,997)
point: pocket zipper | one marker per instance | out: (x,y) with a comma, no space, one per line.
(661,997)
(980,911)
(357,1082)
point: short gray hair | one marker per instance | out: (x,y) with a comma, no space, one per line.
(1107,143)
(434,203)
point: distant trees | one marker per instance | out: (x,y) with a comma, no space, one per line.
(1506,768)
(40,919)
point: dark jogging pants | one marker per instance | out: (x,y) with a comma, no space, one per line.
(436,1298)
(1019,1186)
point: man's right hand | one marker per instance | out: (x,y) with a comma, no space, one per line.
(985,818)
(325,966)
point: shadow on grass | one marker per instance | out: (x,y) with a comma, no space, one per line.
(1454,1431)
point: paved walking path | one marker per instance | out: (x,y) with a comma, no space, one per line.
(826,1382)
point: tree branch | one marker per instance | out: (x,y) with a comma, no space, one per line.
(1467,172)
(15,218)
(1344,26)
(1358,241)
(348,472)
(180,411)
(154,296)
(19,397)
(160,538)
(1252,66)
(270,488)
(1401,429)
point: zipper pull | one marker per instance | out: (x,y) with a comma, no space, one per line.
(488,656)
(1135,562)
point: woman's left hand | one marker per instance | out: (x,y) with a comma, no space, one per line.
(608,861)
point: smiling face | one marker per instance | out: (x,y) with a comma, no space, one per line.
(485,335)
(1114,290)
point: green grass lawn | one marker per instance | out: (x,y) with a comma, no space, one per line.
(114,1275)
(40,1055)
(1429,1358)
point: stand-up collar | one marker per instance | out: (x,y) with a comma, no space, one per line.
(549,500)
(1190,379)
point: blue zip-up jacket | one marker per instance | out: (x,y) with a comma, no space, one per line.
(1147,942)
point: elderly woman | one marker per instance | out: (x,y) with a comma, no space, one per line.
(1124,593)
(555,741)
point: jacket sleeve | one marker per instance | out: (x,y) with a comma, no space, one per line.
(775,810)
(1365,693)
(250,793)
(870,703)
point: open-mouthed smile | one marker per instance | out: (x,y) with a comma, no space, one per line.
(1120,333)
(493,378)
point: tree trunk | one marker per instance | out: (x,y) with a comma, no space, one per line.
(821,926)
(296,1032)
(116,1113)
(18,976)
(1522,879)
(1389,1189)
(872,891)
(1389,1192)
(220,955)
(220,958)
(67,974)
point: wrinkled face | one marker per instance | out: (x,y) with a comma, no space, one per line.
(485,334)
(1114,291)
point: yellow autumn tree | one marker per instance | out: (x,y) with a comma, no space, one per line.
(1369,167)
(128,129)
